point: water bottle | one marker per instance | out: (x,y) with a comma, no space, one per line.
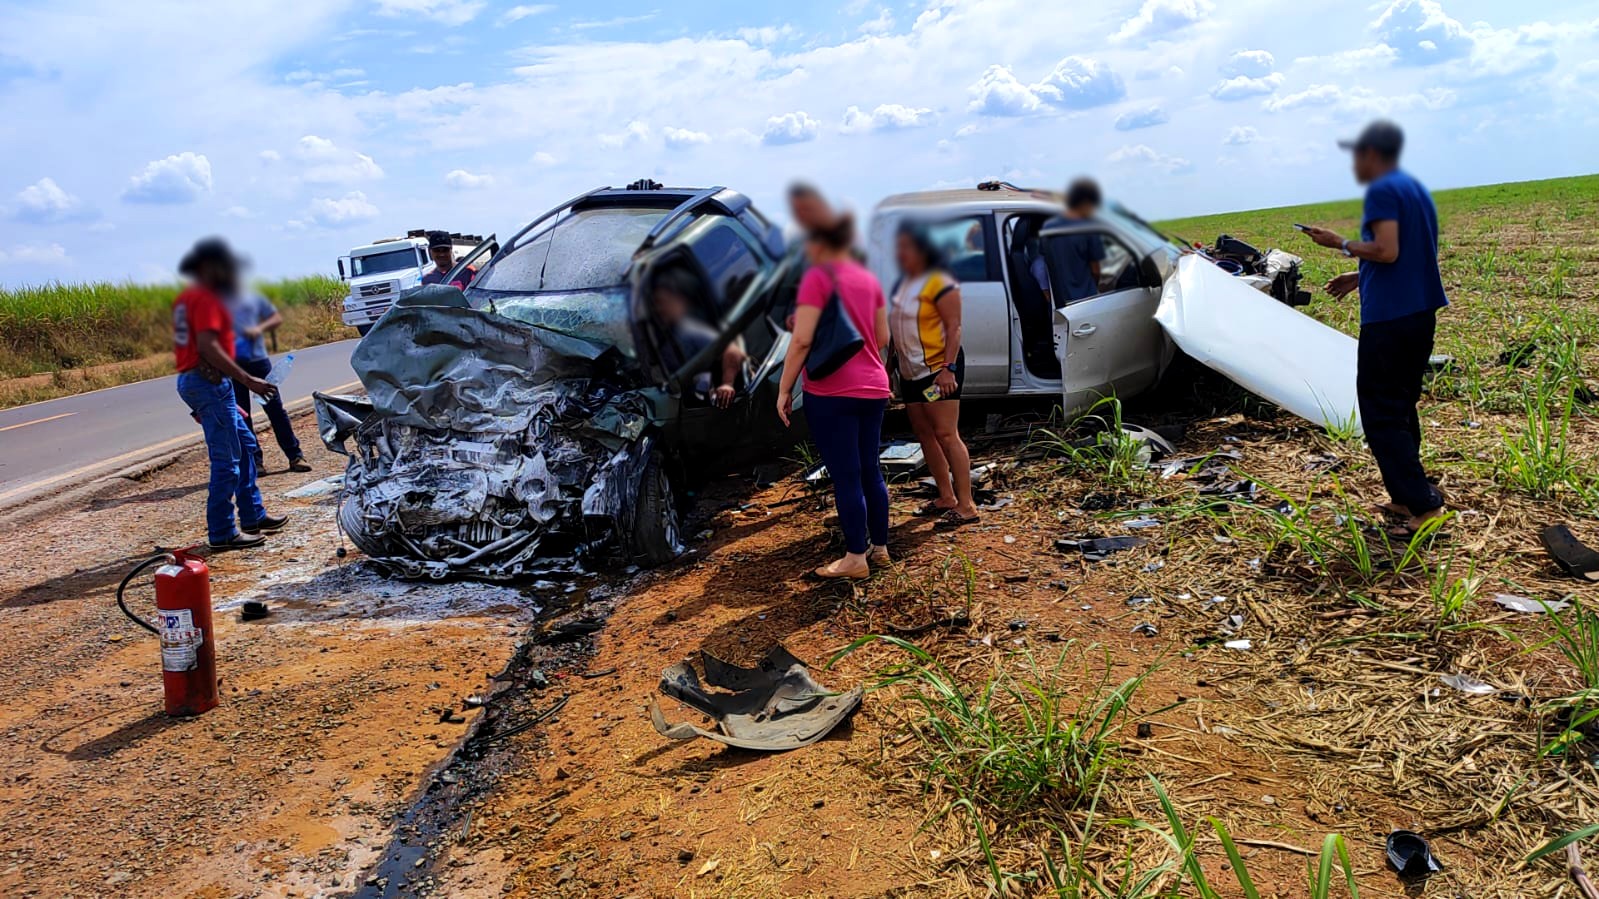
(280,371)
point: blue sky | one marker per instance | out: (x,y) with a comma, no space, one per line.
(301,129)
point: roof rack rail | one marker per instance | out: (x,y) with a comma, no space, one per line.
(683,208)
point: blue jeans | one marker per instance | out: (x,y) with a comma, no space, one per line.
(847,431)
(232,448)
(281,429)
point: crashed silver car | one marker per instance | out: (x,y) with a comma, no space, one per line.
(1017,342)
(550,412)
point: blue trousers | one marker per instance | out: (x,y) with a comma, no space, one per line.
(231,445)
(847,431)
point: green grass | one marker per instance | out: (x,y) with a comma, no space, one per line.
(53,327)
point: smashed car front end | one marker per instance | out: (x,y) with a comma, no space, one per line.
(491,444)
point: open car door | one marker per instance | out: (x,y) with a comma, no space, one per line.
(686,374)
(1105,329)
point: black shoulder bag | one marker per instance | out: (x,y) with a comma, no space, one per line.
(836,339)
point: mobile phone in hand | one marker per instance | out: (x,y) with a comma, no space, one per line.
(1299,227)
(933,394)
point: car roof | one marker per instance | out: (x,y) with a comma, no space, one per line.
(719,199)
(973,198)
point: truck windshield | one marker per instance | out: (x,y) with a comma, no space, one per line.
(587,250)
(387,261)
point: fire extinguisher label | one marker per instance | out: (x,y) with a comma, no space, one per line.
(180,640)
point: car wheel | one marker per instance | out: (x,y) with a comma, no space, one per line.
(655,539)
(362,329)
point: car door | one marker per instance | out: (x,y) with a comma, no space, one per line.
(1108,339)
(970,247)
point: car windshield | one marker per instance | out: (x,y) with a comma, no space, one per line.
(597,316)
(1130,220)
(587,250)
(387,261)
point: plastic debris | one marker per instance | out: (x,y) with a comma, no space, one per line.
(1146,629)
(1239,645)
(1530,606)
(1465,683)
(1100,546)
(1573,557)
(1410,854)
(774,707)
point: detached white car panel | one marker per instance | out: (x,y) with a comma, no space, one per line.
(1268,348)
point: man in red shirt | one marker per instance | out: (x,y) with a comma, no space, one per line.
(202,344)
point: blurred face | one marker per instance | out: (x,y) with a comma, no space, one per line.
(670,306)
(810,211)
(218,276)
(1368,165)
(443,257)
(908,256)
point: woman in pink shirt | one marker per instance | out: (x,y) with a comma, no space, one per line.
(845,408)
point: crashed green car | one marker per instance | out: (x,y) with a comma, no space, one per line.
(548,414)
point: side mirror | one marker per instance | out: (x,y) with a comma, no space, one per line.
(342,275)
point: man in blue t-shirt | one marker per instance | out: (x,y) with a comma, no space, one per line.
(1067,266)
(254,317)
(1401,292)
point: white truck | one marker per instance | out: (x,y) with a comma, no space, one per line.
(378,272)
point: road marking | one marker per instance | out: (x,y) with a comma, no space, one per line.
(155,448)
(37,421)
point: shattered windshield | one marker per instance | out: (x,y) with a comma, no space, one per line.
(597,316)
(587,250)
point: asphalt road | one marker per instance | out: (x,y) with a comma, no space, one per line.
(54,444)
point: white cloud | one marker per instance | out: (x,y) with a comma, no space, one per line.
(1242,87)
(1147,117)
(1239,135)
(887,117)
(447,12)
(883,24)
(1077,82)
(328,163)
(349,209)
(1159,18)
(1249,63)
(45,203)
(183,178)
(461,179)
(1421,33)
(1359,101)
(683,138)
(790,128)
(270,156)
(636,132)
(35,254)
(238,212)
(769,34)
(1145,155)
(518,13)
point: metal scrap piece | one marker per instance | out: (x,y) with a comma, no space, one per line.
(773,707)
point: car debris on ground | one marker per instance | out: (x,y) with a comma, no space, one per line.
(773,707)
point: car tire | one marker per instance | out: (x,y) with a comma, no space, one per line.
(362,329)
(656,539)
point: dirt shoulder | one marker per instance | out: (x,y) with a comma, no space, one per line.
(330,712)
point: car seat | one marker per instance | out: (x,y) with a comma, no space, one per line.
(1032,308)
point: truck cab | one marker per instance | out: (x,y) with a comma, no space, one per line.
(379,272)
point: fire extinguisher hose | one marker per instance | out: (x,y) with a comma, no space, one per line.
(123,605)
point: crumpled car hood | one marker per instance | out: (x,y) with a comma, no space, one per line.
(481,436)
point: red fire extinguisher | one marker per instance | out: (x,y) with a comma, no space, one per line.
(188,643)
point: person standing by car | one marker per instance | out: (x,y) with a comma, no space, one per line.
(1067,266)
(845,407)
(254,317)
(203,348)
(1401,291)
(442,248)
(925,324)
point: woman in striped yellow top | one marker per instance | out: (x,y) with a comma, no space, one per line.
(925,324)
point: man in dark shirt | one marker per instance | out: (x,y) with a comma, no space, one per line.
(684,337)
(1401,292)
(1067,267)
(442,249)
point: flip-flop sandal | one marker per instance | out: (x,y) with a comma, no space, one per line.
(931,509)
(824,575)
(952,519)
